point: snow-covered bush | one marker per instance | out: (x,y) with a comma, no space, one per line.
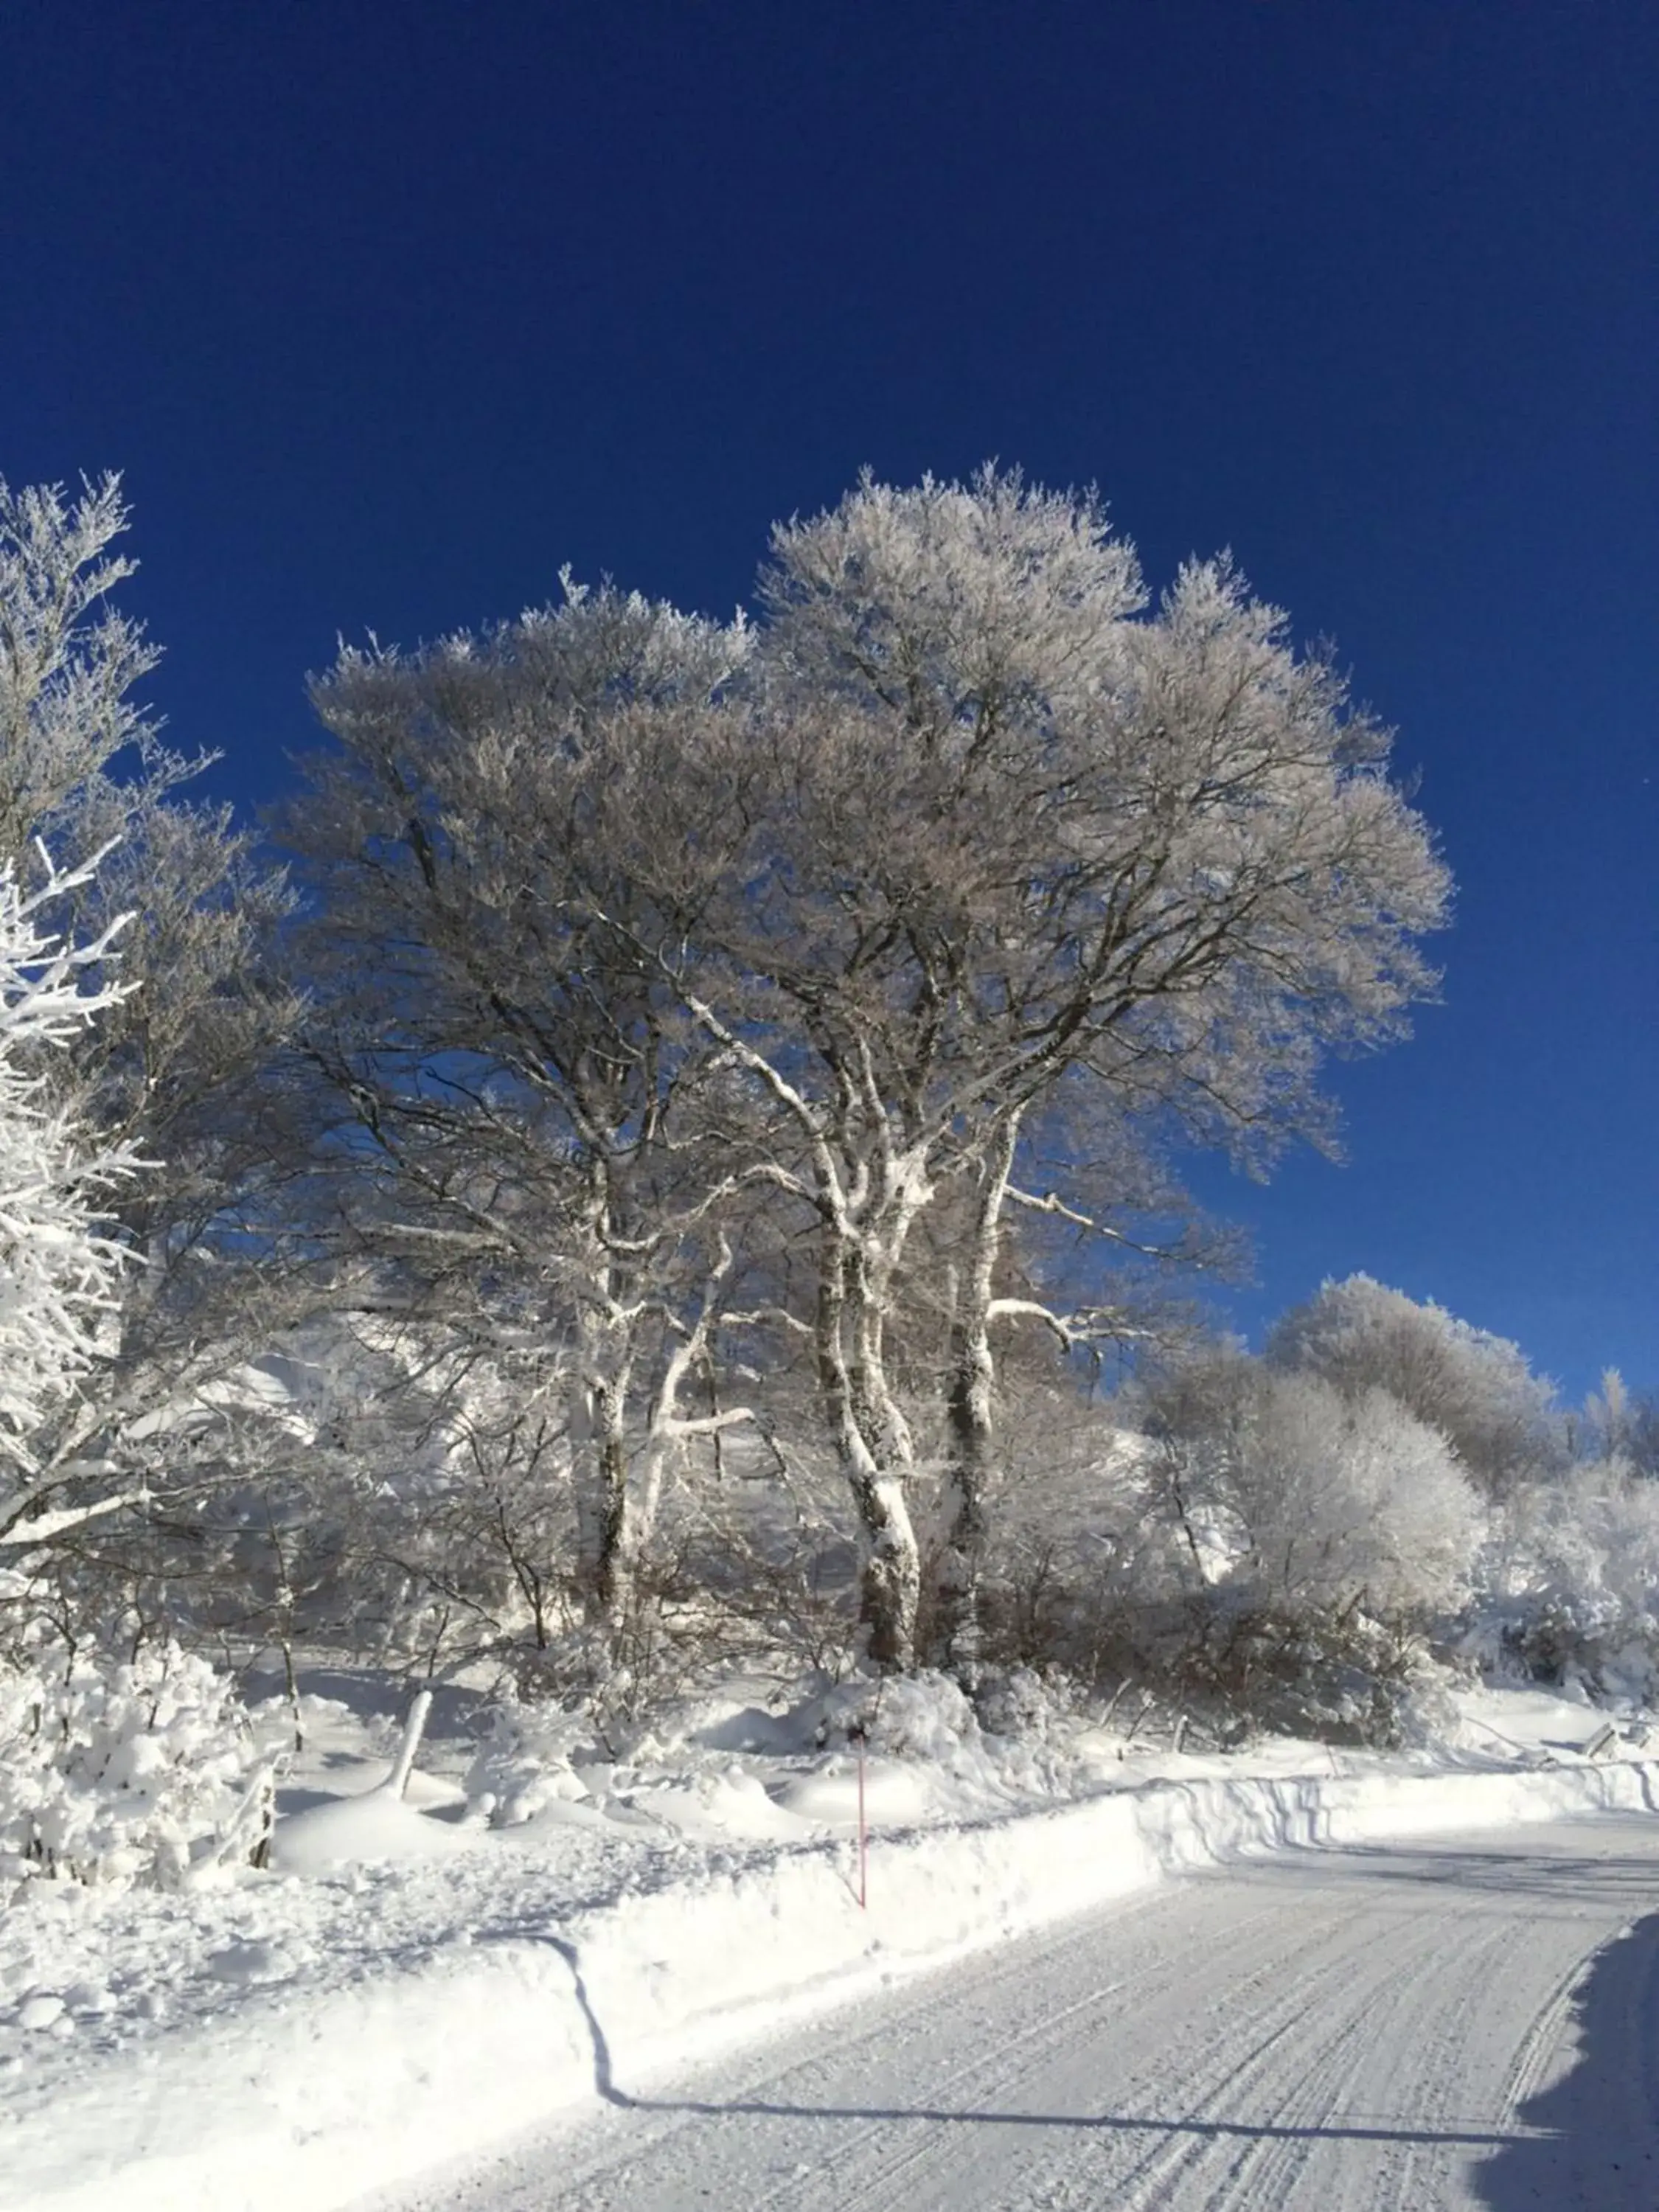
(1014,1737)
(1570,1581)
(343,1500)
(524,1764)
(1080,1538)
(922,1716)
(1020,1702)
(139,1772)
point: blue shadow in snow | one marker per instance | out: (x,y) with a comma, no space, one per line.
(1591,2139)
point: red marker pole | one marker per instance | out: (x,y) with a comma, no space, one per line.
(864,1832)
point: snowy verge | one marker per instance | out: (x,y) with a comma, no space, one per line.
(334,2094)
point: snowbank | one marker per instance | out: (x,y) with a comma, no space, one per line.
(520,2004)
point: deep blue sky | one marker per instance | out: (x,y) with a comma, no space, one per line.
(388,310)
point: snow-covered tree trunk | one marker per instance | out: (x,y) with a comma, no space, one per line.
(867,1191)
(869,1450)
(971,1419)
(599,1476)
(607,1329)
(876,1203)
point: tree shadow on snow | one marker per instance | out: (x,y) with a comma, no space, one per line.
(612,2094)
(1592,2139)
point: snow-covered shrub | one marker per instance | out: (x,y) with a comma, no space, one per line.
(1081,1540)
(1018,1745)
(1244,1668)
(1570,1581)
(125,1772)
(1019,1702)
(523,1766)
(922,1716)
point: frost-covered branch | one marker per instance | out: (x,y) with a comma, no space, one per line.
(63,1273)
(20,1529)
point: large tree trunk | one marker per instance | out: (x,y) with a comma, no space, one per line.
(872,1443)
(970,1419)
(890,1580)
(600,1473)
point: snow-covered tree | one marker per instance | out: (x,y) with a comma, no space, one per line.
(1019,834)
(1349,1502)
(68,663)
(85,777)
(60,1271)
(1476,1388)
(647,919)
(1570,1578)
(1307,1503)
(525,1142)
(1617,1423)
(84,773)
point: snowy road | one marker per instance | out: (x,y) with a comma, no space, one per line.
(1448,2024)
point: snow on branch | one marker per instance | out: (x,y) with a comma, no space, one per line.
(1088,1326)
(20,1530)
(1052,1203)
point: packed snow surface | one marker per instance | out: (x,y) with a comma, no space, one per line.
(542,1922)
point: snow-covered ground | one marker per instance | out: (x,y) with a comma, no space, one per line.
(410,1984)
